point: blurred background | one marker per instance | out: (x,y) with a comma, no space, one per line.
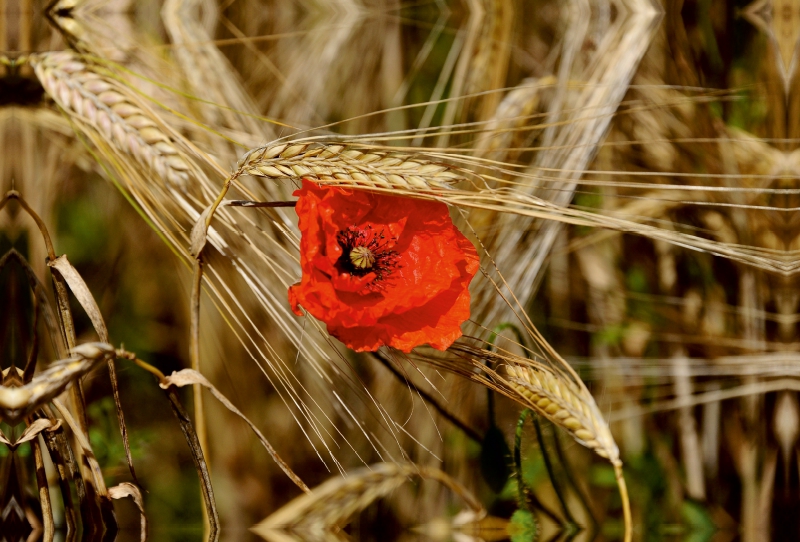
(678,117)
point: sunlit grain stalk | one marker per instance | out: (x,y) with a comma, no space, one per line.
(512,118)
(103,103)
(337,164)
(405,174)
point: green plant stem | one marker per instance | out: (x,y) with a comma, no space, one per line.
(525,493)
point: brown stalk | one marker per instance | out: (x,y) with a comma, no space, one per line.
(199,462)
(44,491)
(57,440)
(194,353)
(64,477)
(62,300)
(192,440)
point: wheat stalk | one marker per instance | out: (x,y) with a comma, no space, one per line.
(570,406)
(368,168)
(113,111)
(565,404)
(550,388)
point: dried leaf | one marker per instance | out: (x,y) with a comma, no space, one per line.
(19,401)
(126,489)
(31,432)
(91,460)
(199,235)
(82,294)
(189,376)
(87,301)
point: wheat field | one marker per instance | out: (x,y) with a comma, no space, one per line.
(626,170)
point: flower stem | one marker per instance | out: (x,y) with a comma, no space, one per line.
(626,503)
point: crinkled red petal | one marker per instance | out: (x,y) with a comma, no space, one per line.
(424,300)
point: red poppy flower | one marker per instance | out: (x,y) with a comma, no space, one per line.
(382,270)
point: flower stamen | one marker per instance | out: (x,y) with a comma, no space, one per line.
(365,251)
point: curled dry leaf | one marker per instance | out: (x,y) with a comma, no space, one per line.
(81,292)
(31,432)
(126,489)
(199,235)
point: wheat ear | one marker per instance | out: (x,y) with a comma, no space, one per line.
(109,108)
(368,168)
(16,402)
(333,502)
(566,405)
(573,408)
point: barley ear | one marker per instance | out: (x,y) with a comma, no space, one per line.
(346,165)
(574,409)
(113,112)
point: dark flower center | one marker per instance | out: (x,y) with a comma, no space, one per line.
(365,251)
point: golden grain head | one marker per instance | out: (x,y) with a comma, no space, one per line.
(565,404)
(105,105)
(342,164)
